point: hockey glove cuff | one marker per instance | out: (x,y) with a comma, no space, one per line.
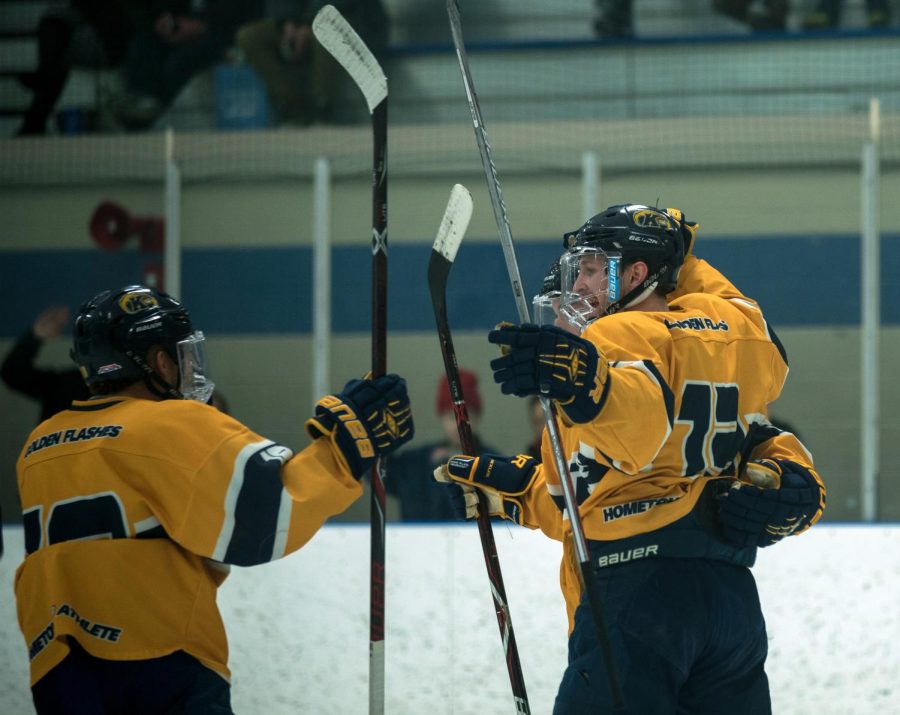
(367,419)
(545,360)
(773,499)
(502,480)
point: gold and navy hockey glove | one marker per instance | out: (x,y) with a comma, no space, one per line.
(773,499)
(503,481)
(463,499)
(688,229)
(366,419)
(545,360)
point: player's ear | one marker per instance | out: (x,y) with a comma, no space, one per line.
(162,364)
(635,275)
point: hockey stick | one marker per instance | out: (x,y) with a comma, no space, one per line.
(335,34)
(443,252)
(512,266)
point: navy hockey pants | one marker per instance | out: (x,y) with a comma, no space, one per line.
(174,684)
(688,637)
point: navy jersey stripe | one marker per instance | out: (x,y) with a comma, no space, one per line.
(668,395)
(31,523)
(777,343)
(157,532)
(256,511)
(93,407)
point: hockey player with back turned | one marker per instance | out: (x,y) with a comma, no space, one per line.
(136,502)
(679,476)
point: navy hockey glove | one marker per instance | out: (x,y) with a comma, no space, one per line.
(545,360)
(503,481)
(367,419)
(463,499)
(774,499)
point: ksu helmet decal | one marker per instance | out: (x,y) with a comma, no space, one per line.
(651,218)
(136,301)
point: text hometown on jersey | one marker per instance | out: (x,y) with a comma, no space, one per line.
(661,382)
(136,501)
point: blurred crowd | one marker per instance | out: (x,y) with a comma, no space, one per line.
(155,47)
(158,46)
(615,18)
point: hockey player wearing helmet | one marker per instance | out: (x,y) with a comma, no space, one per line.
(661,396)
(136,502)
(140,335)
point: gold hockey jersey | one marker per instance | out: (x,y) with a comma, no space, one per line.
(133,510)
(686,385)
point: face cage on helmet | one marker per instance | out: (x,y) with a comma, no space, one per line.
(590,279)
(193,383)
(546,308)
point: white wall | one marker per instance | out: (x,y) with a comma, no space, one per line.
(299,627)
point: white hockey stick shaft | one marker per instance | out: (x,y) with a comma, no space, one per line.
(512,266)
(559,460)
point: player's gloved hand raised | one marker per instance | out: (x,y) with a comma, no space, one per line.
(545,360)
(503,481)
(366,419)
(688,229)
(773,499)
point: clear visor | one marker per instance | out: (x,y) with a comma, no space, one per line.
(546,311)
(546,308)
(590,284)
(193,383)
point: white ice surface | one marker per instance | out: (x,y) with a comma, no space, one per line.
(298,628)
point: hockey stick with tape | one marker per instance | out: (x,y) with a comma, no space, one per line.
(335,34)
(443,253)
(506,241)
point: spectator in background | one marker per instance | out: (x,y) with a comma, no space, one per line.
(759,15)
(183,39)
(422,499)
(299,74)
(827,14)
(54,389)
(613,18)
(82,33)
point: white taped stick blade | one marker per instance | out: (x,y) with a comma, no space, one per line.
(455,222)
(335,35)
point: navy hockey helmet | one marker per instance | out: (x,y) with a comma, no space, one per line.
(114,330)
(629,233)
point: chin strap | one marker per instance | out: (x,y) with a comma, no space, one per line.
(638,294)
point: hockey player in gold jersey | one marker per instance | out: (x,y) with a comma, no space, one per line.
(136,502)
(661,394)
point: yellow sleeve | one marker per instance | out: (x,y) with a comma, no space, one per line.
(254,501)
(636,417)
(698,276)
(539,510)
(320,486)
